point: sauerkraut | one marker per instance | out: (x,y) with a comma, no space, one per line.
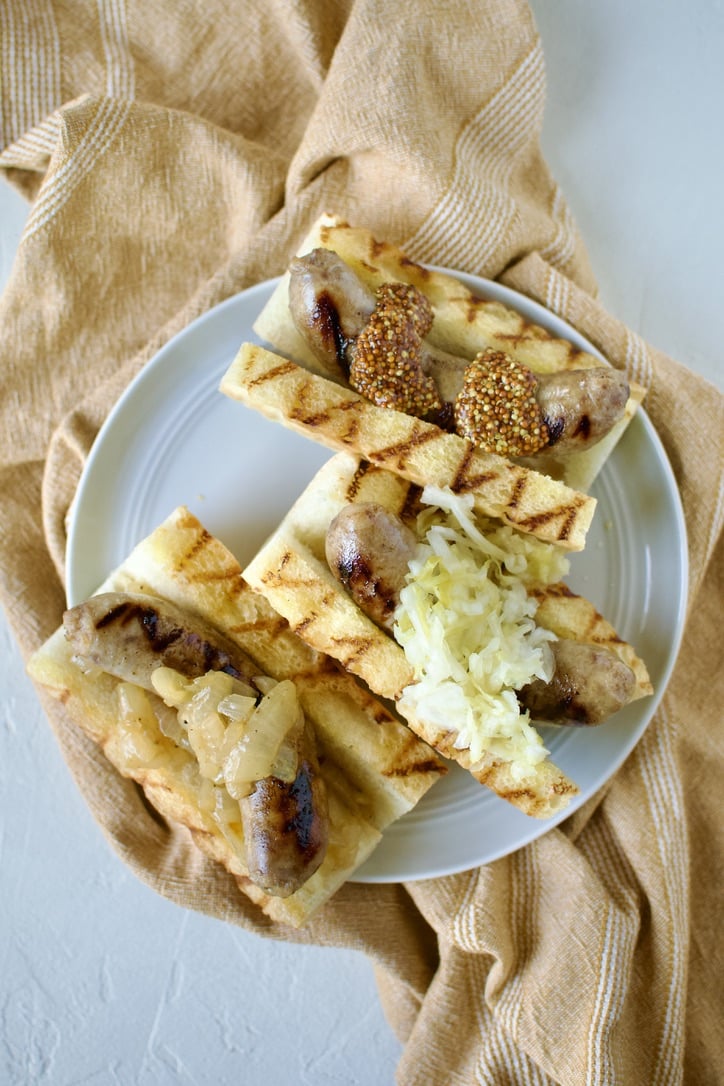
(467,627)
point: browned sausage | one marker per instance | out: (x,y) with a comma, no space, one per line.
(286,824)
(130,635)
(580,407)
(329,305)
(590,683)
(368,549)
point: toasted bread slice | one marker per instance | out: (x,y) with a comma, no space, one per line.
(374,768)
(416,450)
(463,325)
(292,573)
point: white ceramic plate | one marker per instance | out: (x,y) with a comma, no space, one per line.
(173,439)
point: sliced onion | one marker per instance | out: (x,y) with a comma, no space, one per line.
(237,707)
(265,683)
(286,764)
(206,736)
(235,740)
(227,809)
(252,757)
(171,686)
(170,726)
(207,692)
(207,796)
(227,817)
(137,727)
(134,706)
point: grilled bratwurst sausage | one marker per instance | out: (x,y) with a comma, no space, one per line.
(129,636)
(579,407)
(331,307)
(286,824)
(590,683)
(368,551)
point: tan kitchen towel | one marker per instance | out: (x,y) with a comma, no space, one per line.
(175,154)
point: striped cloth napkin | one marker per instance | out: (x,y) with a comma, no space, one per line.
(175,154)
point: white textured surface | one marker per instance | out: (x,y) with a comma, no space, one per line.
(102,981)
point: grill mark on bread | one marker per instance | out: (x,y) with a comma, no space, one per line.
(458,481)
(355,483)
(271,626)
(560,590)
(308,402)
(518,489)
(280,577)
(483,775)
(422,272)
(399,450)
(567,514)
(517,794)
(463,481)
(230,577)
(356,645)
(304,624)
(472,305)
(280,370)
(350,435)
(428,765)
(199,543)
(299,413)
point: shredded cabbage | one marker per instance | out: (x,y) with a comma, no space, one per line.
(467,627)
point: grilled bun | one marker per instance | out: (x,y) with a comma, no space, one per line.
(292,573)
(418,451)
(373,768)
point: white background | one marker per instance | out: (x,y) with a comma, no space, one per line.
(102,981)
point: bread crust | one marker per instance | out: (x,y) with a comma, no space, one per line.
(292,573)
(374,768)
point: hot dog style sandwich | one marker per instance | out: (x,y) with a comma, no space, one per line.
(279,765)
(428,556)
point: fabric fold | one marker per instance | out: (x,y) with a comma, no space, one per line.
(175,157)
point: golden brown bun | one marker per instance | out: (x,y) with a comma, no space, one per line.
(464,324)
(416,450)
(292,573)
(375,769)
